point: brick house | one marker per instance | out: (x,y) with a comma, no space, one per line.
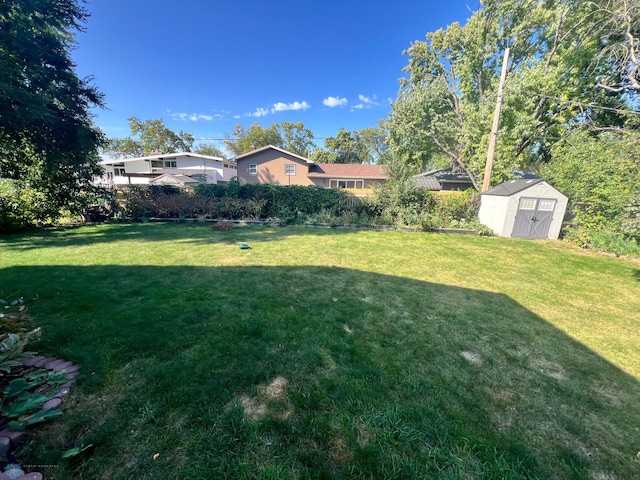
(277,166)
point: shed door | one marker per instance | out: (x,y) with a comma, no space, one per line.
(533,219)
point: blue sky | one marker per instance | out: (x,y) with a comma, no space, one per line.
(204,66)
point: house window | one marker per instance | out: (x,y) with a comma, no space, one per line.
(352,184)
(290,170)
(253,169)
(170,164)
(118,171)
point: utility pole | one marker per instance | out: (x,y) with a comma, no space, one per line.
(496,122)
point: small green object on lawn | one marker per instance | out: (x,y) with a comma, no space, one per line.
(244,246)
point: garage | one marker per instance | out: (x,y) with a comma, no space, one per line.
(523,208)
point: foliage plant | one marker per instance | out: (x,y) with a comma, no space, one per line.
(23,391)
(48,142)
(570,63)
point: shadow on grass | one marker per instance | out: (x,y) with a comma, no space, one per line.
(305,372)
(195,233)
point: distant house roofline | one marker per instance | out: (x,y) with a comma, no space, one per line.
(281,150)
(164,156)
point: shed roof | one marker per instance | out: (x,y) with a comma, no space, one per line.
(512,186)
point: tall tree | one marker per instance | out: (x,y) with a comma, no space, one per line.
(619,28)
(147,137)
(445,106)
(241,140)
(294,137)
(358,146)
(209,149)
(48,142)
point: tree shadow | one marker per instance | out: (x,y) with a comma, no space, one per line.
(636,274)
(398,373)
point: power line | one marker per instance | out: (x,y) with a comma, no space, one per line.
(234,140)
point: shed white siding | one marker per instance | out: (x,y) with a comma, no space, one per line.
(491,213)
(498,210)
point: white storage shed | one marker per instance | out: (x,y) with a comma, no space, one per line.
(524,208)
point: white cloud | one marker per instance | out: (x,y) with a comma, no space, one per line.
(237,116)
(334,102)
(365,102)
(194,117)
(368,100)
(260,112)
(281,107)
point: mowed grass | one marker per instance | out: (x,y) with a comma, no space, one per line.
(332,354)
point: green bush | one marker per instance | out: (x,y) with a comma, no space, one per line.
(289,204)
(604,240)
(631,218)
(399,202)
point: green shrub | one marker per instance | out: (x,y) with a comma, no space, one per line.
(631,218)
(603,240)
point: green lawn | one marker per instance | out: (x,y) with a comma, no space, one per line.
(325,353)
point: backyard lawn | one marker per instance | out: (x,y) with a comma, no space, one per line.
(331,353)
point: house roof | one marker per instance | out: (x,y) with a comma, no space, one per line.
(430,183)
(347,170)
(173,179)
(433,179)
(281,150)
(446,174)
(162,156)
(512,186)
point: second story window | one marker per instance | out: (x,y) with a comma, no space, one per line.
(253,169)
(290,170)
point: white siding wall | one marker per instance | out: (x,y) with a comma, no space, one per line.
(137,167)
(499,213)
(492,214)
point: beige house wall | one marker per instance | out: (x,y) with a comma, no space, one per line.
(271,169)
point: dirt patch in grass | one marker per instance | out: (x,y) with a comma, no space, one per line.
(253,407)
(608,394)
(340,451)
(271,398)
(471,357)
(550,369)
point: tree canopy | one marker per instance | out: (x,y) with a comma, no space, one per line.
(150,136)
(294,137)
(48,142)
(357,146)
(566,71)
